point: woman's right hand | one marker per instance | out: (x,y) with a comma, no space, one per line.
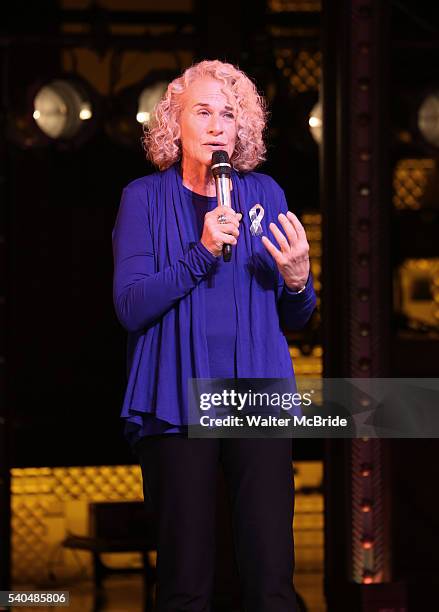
(216,234)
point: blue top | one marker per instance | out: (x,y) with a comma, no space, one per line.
(221,337)
(220,306)
(166,282)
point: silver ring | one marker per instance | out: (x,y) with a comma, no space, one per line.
(222,219)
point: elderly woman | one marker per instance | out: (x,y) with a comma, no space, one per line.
(190,314)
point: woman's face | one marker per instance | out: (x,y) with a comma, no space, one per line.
(207,122)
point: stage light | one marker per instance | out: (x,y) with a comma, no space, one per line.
(133,108)
(60,109)
(428,118)
(315,122)
(61,112)
(148,98)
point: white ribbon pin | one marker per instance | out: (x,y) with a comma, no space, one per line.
(256,215)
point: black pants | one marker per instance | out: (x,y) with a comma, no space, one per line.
(180,483)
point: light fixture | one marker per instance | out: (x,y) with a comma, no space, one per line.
(60,111)
(148,98)
(63,109)
(428,118)
(315,122)
(133,108)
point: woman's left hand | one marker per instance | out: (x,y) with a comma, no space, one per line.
(293,257)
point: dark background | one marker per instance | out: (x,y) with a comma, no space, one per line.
(66,349)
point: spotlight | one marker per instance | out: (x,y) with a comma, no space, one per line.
(315,122)
(60,112)
(148,98)
(300,129)
(428,118)
(60,109)
(135,105)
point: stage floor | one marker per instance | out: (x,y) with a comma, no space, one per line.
(122,593)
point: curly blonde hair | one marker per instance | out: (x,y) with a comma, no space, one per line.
(161,139)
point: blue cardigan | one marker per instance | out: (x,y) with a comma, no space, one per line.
(165,313)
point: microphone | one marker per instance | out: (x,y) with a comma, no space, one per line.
(222,171)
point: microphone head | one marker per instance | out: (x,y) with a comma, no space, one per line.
(220,164)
